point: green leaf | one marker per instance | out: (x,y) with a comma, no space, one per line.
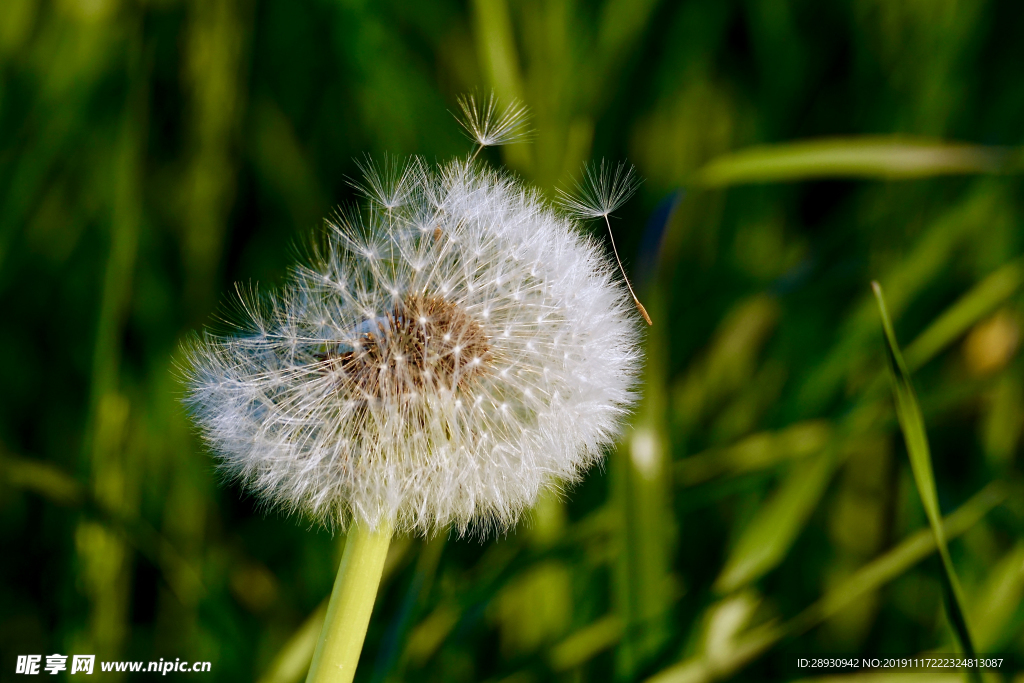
(853,157)
(908,411)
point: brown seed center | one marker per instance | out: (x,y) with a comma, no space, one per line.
(424,343)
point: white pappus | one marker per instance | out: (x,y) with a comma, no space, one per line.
(449,351)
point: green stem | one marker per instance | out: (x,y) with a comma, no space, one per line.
(348,613)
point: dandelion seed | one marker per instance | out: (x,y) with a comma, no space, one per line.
(598,195)
(602,191)
(489,128)
(390,183)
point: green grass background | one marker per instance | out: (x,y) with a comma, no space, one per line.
(764,503)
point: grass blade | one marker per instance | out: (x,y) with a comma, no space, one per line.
(768,538)
(975,304)
(703,669)
(585,644)
(754,453)
(853,157)
(908,411)
(643,584)
(292,661)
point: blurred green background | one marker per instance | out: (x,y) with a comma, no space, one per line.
(762,506)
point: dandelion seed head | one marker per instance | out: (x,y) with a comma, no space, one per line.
(444,382)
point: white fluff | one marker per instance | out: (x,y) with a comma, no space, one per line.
(450,351)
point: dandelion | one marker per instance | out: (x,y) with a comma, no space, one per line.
(448,352)
(601,192)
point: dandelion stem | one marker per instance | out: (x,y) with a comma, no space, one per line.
(639,306)
(348,613)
